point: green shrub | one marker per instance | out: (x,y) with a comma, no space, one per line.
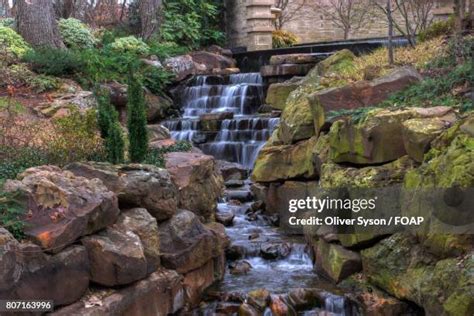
(156,156)
(8,22)
(15,160)
(75,34)
(156,79)
(165,50)
(12,213)
(136,114)
(283,39)
(12,44)
(20,75)
(436,29)
(54,62)
(43,83)
(129,45)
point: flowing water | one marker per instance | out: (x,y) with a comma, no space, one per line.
(239,140)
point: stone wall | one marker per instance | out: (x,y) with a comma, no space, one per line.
(308,24)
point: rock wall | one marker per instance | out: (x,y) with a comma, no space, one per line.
(115,239)
(315,151)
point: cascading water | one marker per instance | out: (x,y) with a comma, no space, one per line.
(237,139)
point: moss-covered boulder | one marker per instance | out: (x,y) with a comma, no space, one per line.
(285,162)
(278,93)
(419,132)
(402,267)
(336,262)
(297,119)
(360,94)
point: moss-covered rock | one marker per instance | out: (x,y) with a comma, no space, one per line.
(336,262)
(278,93)
(297,119)
(400,266)
(286,162)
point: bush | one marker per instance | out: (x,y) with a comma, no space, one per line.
(54,62)
(20,75)
(8,22)
(437,29)
(283,39)
(156,156)
(15,160)
(136,114)
(155,79)
(12,44)
(75,34)
(12,212)
(129,45)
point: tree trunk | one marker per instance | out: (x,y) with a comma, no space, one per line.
(37,23)
(150,17)
(391,58)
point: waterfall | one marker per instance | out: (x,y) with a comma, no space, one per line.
(238,139)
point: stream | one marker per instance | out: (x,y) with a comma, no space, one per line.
(271,259)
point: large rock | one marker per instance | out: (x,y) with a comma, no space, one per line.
(64,104)
(418,134)
(158,132)
(140,222)
(378,139)
(160,294)
(401,267)
(63,278)
(277,93)
(62,206)
(212,60)
(181,66)
(360,94)
(158,107)
(10,270)
(295,59)
(117,257)
(136,185)
(186,244)
(297,118)
(199,182)
(336,262)
(232,171)
(285,70)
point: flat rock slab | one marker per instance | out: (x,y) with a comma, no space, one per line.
(285,70)
(296,59)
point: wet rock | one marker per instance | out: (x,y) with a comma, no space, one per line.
(136,185)
(268,109)
(274,220)
(227,308)
(211,122)
(234,183)
(158,107)
(253,236)
(285,70)
(280,308)
(212,61)
(260,191)
(158,132)
(63,207)
(360,94)
(199,138)
(336,262)
(275,250)
(259,299)
(240,267)
(225,217)
(63,277)
(161,293)
(400,266)
(286,162)
(199,181)
(141,223)
(235,252)
(248,310)
(197,281)
(239,195)
(257,206)
(232,171)
(304,299)
(278,93)
(185,243)
(117,257)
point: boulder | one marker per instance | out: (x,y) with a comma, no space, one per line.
(338,61)
(162,144)
(248,310)
(211,122)
(186,244)
(158,107)
(197,281)
(62,206)
(181,66)
(286,162)
(360,94)
(272,251)
(139,222)
(225,217)
(63,104)
(116,257)
(231,170)
(304,299)
(158,132)
(259,299)
(279,307)
(10,270)
(295,59)
(277,93)
(63,277)
(378,139)
(402,267)
(212,61)
(199,181)
(161,293)
(336,262)
(418,134)
(240,267)
(136,185)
